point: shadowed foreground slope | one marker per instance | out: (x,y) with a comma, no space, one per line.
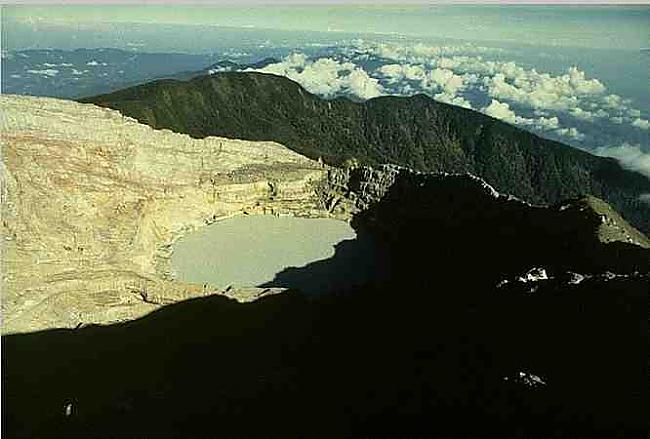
(397,362)
(441,349)
(416,132)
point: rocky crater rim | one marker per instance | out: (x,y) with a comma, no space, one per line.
(92,203)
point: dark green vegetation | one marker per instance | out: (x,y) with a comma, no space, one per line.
(416,132)
(424,354)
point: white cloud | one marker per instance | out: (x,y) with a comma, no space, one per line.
(571,133)
(399,72)
(546,123)
(571,93)
(92,63)
(419,52)
(499,110)
(235,53)
(542,91)
(446,80)
(506,80)
(326,76)
(644,124)
(452,99)
(581,114)
(362,85)
(44,72)
(614,102)
(633,112)
(442,84)
(502,111)
(219,70)
(63,64)
(630,157)
(569,104)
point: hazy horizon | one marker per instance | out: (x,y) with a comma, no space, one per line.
(577,74)
(593,26)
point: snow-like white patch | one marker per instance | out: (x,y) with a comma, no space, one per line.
(575,278)
(530,278)
(527,379)
(219,70)
(533,275)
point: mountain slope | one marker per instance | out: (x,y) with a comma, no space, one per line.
(416,132)
(91,202)
(497,318)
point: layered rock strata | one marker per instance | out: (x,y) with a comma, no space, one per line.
(92,201)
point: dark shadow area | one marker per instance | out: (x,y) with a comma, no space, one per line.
(359,262)
(390,362)
(436,227)
(437,350)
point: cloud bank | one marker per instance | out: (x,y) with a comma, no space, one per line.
(630,157)
(326,76)
(569,106)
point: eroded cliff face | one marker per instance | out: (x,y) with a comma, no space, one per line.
(495,310)
(92,200)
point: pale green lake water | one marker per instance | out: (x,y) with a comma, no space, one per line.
(249,250)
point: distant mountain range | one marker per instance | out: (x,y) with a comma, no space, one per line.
(82,72)
(417,132)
